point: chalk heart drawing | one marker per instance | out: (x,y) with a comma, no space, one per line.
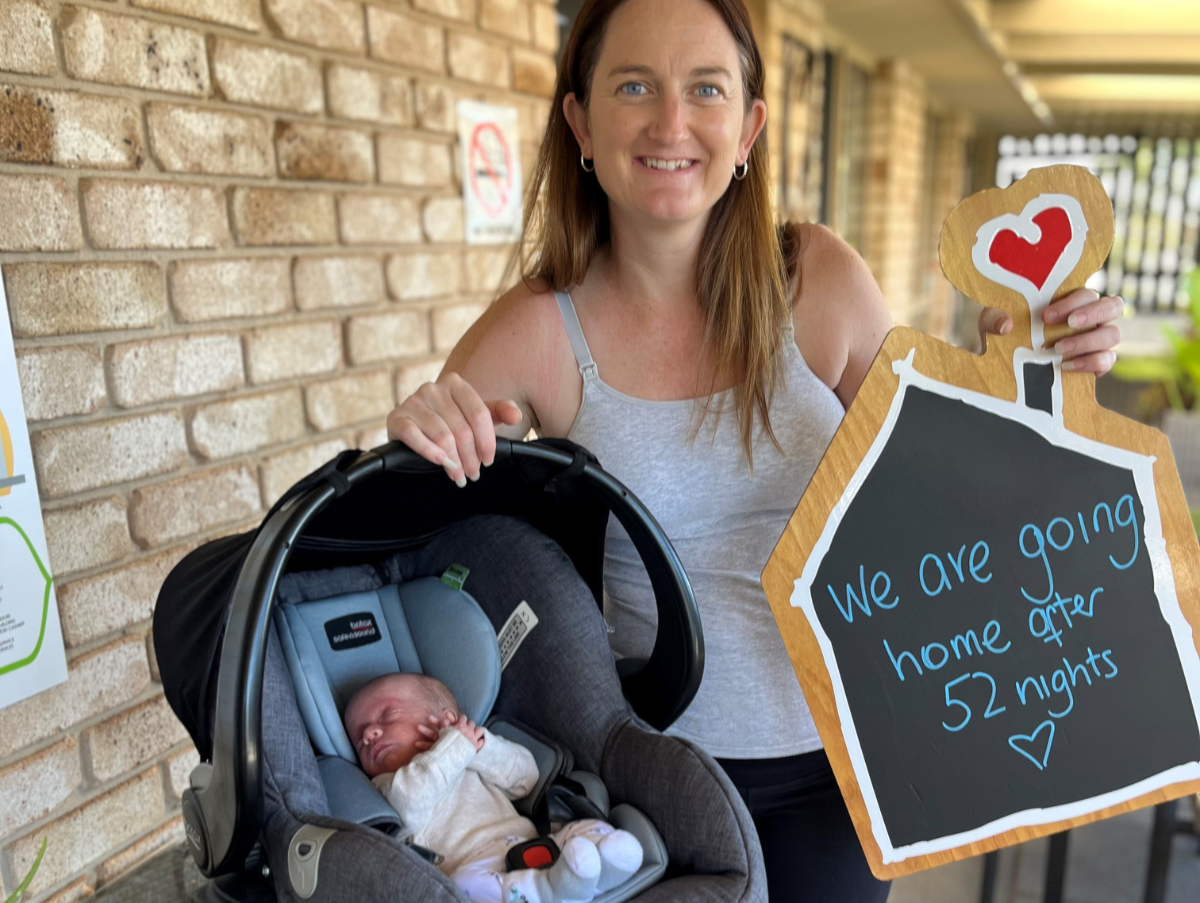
(1033,251)
(1019,742)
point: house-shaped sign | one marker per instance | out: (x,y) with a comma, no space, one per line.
(989,590)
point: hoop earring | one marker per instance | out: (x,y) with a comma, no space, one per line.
(583,161)
(739,172)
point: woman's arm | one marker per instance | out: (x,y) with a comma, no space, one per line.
(841,318)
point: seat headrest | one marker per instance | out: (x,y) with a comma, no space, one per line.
(336,645)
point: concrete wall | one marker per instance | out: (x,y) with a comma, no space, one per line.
(231,235)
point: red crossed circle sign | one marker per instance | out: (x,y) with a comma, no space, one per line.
(489,163)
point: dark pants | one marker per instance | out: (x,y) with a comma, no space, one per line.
(809,844)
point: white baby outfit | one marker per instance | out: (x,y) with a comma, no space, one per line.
(458,803)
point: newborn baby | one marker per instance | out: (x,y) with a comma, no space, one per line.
(452,784)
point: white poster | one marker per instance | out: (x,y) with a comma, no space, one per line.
(490,143)
(32,658)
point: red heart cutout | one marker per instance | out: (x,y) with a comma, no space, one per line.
(1034,262)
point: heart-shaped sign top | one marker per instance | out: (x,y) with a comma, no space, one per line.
(1033,261)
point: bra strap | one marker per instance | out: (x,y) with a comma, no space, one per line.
(579,345)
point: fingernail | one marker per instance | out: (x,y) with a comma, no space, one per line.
(1006,327)
(473,479)
(461,482)
(1061,348)
(1076,320)
(487,463)
(1068,365)
(1049,315)
(451,464)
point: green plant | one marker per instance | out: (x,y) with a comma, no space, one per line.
(23,886)
(1175,377)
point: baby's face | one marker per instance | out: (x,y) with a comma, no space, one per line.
(382,722)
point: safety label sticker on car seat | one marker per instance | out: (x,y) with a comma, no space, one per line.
(514,631)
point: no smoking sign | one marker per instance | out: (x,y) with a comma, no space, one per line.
(489,140)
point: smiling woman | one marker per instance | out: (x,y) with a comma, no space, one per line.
(706,357)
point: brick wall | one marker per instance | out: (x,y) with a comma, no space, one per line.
(231,235)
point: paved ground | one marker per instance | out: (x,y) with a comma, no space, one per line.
(1106,864)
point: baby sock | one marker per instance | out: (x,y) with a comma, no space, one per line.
(572,879)
(620,857)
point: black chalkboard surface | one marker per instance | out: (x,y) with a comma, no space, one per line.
(994,665)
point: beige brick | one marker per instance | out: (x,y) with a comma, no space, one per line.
(333,24)
(96,681)
(534,116)
(450,323)
(349,399)
(487,267)
(379,219)
(153,370)
(308,151)
(154,214)
(163,512)
(462,10)
(113,600)
(400,38)
(137,735)
(280,472)
(478,60)
(77,890)
(507,17)
(533,72)
(227,428)
(58,381)
(32,787)
(383,337)
(87,535)
(222,289)
(38,213)
(191,139)
(369,95)
(435,106)
(371,438)
(266,77)
(170,833)
(179,770)
(268,216)
(74,458)
(296,349)
(66,298)
(100,825)
(28,44)
(442,219)
(337,282)
(64,128)
(243,14)
(413,161)
(410,377)
(423,274)
(545,27)
(128,50)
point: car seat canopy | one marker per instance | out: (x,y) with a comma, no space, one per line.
(334,646)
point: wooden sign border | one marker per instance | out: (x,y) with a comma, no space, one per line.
(992,374)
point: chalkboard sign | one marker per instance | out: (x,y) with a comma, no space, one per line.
(989,590)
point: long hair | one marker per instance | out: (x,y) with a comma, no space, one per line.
(742,278)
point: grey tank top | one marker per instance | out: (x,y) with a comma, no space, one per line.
(724,524)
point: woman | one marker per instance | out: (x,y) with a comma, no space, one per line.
(706,359)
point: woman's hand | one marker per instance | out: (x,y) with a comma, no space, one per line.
(1087,352)
(449,424)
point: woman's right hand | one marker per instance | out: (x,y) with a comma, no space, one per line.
(446,422)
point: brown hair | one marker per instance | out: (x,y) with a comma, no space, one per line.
(742,277)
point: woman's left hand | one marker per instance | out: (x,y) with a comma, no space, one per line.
(1086,352)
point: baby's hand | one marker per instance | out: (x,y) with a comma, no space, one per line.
(430,730)
(467,728)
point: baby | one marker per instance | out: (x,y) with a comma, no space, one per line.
(452,783)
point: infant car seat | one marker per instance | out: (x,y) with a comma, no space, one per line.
(334,645)
(276,809)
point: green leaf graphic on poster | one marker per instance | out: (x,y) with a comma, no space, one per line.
(42,582)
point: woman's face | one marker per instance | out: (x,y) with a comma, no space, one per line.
(666,120)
